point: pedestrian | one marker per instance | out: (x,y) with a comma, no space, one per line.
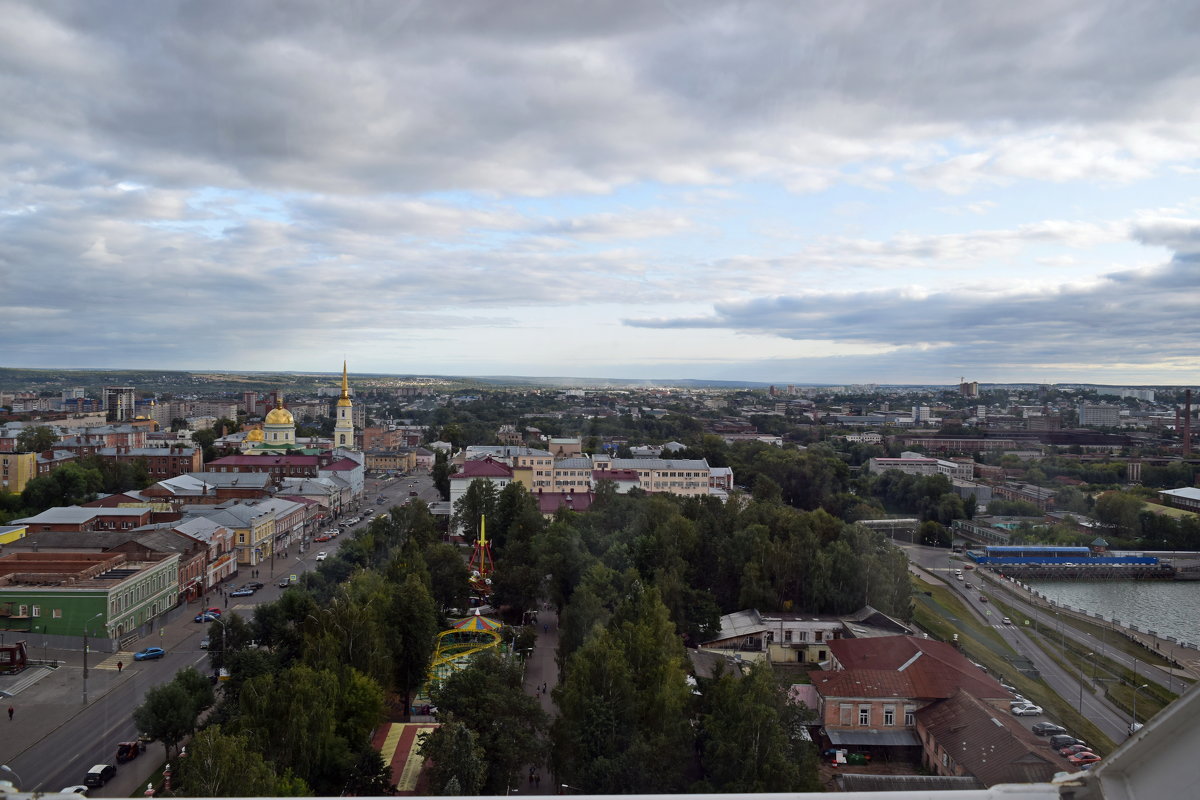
(544,690)
(531,774)
(120,666)
(537,779)
(545,628)
(11,711)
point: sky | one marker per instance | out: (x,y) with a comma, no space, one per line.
(801,192)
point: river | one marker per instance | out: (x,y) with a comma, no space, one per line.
(1170,608)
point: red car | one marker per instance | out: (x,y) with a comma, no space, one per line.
(1072,749)
(322,538)
(1083,758)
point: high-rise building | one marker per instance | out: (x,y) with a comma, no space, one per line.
(1102,416)
(119,403)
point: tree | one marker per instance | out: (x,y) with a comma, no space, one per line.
(478,501)
(441,473)
(1119,510)
(36,439)
(488,697)
(413,636)
(168,714)
(220,764)
(746,744)
(458,764)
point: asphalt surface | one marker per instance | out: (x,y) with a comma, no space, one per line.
(1091,704)
(54,737)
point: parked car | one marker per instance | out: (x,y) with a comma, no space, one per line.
(128,751)
(255,585)
(1047,729)
(99,775)
(1062,740)
(1083,758)
(1072,749)
(321,556)
(78,788)
(149,653)
(1028,710)
(324,537)
(206,616)
(245,591)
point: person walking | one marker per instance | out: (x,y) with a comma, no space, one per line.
(11,711)
(120,666)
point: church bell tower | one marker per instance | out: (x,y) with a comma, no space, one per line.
(343,429)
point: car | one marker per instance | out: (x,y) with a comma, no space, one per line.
(412,494)
(324,537)
(204,643)
(206,616)
(1027,710)
(321,556)
(1047,729)
(1006,621)
(128,751)
(149,653)
(1062,740)
(78,788)
(255,585)
(99,775)
(1083,758)
(1018,700)
(983,598)
(968,566)
(245,591)
(1134,727)
(1072,749)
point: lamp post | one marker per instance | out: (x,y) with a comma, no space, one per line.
(85,654)
(1089,655)
(10,771)
(1135,694)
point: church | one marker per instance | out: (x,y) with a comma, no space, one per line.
(278,433)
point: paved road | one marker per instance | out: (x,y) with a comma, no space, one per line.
(55,738)
(542,670)
(1113,722)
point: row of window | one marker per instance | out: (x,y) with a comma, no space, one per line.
(36,611)
(846,715)
(802,636)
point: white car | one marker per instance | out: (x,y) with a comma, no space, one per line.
(1007,621)
(321,556)
(78,788)
(1029,710)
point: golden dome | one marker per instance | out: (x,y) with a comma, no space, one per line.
(280,415)
(256,435)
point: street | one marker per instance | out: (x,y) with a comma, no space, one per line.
(1112,721)
(54,738)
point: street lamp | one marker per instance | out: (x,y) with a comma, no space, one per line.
(85,654)
(1089,655)
(1135,694)
(10,771)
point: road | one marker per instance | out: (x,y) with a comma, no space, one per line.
(1113,722)
(89,734)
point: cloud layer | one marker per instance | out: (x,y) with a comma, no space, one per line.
(421,185)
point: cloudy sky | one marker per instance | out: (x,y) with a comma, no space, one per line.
(788,192)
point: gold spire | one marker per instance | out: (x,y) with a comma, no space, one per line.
(344,400)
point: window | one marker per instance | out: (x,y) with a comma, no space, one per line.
(56,613)
(889,715)
(787,636)
(910,718)
(37,611)
(845,714)
(804,636)
(864,715)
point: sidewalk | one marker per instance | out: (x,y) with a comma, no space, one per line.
(541,670)
(44,698)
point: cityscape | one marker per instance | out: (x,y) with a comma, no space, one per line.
(610,398)
(860,573)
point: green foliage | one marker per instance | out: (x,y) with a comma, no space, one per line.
(1120,510)
(414,626)
(458,763)
(168,714)
(219,764)
(71,484)
(624,705)
(747,743)
(487,696)
(36,439)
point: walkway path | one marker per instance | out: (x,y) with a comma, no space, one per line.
(541,670)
